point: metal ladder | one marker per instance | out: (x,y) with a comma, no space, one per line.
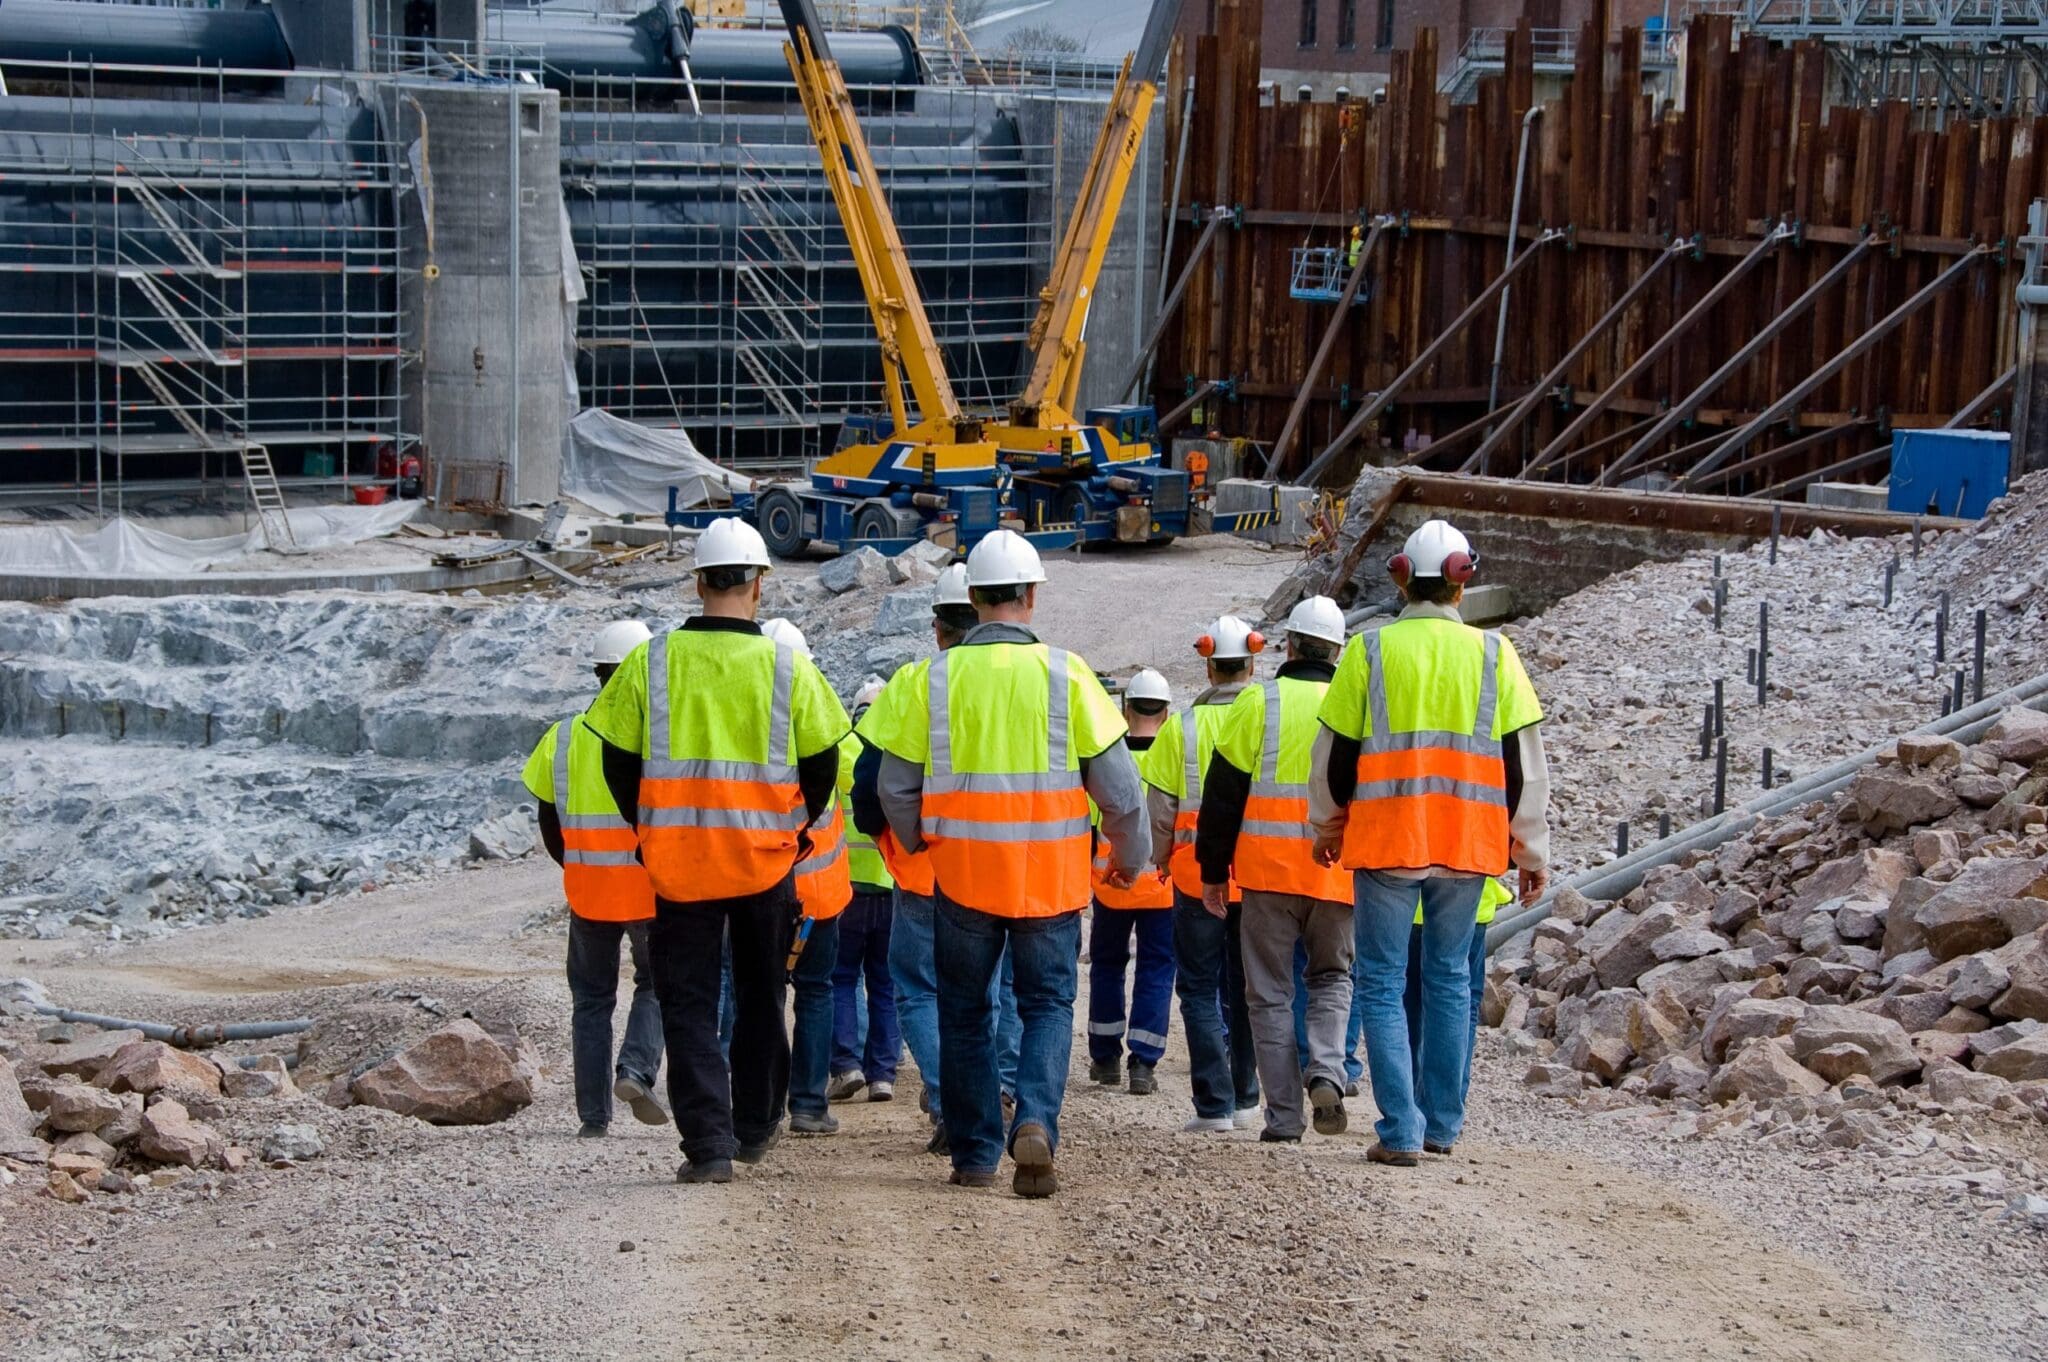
(260,477)
(749,195)
(764,297)
(771,387)
(161,301)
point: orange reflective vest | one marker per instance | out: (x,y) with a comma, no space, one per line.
(912,870)
(1275,842)
(714,829)
(824,885)
(1187,871)
(601,872)
(1430,796)
(1151,889)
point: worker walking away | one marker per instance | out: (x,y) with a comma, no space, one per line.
(1428,777)
(824,887)
(991,759)
(610,898)
(1254,828)
(727,743)
(1144,911)
(1490,900)
(1207,948)
(863,1060)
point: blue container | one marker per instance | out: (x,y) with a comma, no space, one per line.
(1948,472)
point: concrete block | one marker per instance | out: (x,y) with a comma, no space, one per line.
(1851,496)
(1295,505)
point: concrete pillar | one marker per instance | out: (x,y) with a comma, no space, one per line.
(486,318)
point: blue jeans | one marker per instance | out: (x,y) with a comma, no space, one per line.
(864,953)
(810,1039)
(1109,952)
(1418,1099)
(1222,1066)
(1411,998)
(594,990)
(1354,1027)
(914,974)
(1045,954)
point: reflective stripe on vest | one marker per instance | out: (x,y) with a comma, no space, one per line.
(1431,797)
(716,829)
(823,884)
(1010,843)
(601,872)
(1187,871)
(1275,844)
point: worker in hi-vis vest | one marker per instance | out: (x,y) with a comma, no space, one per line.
(864,1061)
(1143,911)
(727,745)
(1428,778)
(1254,829)
(609,898)
(990,758)
(1208,951)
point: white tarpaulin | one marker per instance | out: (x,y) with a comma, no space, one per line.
(615,466)
(122,548)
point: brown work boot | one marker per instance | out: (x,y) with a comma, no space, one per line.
(1032,1151)
(962,1178)
(1393,1158)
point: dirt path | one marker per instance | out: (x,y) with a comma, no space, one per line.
(506,1242)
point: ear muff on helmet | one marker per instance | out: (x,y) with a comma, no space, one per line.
(1206,645)
(1458,567)
(1255,642)
(1400,568)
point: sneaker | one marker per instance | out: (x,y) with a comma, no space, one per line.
(1208,1125)
(1143,1082)
(1247,1118)
(1107,1072)
(1393,1158)
(754,1153)
(590,1130)
(1032,1151)
(710,1170)
(1428,1147)
(1328,1100)
(647,1108)
(845,1085)
(938,1144)
(1270,1136)
(804,1123)
(883,1091)
(962,1178)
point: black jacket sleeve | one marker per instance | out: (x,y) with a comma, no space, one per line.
(1224,792)
(551,831)
(867,804)
(818,777)
(622,778)
(1343,769)
(1511,755)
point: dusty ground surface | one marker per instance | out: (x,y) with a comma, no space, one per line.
(1549,1233)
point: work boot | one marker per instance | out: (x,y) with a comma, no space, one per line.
(647,1108)
(804,1123)
(1143,1083)
(1393,1158)
(962,1178)
(1271,1136)
(1431,1147)
(590,1130)
(1032,1151)
(757,1151)
(938,1143)
(1351,1087)
(844,1086)
(1107,1072)
(709,1170)
(882,1091)
(1328,1100)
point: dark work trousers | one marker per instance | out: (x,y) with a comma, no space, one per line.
(594,988)
(1209,977)
(717,1107)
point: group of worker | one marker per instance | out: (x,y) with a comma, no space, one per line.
(1303,858)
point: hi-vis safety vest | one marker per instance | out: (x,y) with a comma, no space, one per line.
(911,870)
(1269,735)
(601,872)
(865,862)
(1428,701)
(1150,890)
(1174,765)
(823,886)
(1492,895)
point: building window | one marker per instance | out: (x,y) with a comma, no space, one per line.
(1308,21)
(1384,39)
(1347,24)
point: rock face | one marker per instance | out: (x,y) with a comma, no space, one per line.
(456,1076)
(145,1066)
(170,1135)
(1764,1072)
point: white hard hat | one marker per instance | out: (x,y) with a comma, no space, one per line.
(788,635)
(1004,558)
(1317,617)
(617,639)
(1230,637)
(730,542)
(1434,550)
(951,588)
(870,691)
(1148,685)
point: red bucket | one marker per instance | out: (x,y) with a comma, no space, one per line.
(371,496)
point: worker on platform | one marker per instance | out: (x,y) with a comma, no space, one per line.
(1207,948)
(1254,828)
(864,1061)
(990,757)
(1144,911)
(609,898)
(824,887)
(1355,248)
(727,744)
(1428,778)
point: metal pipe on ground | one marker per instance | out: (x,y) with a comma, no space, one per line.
(184,1037)
(1616,878)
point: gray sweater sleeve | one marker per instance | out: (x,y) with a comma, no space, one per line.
(1112,780)
(900,787)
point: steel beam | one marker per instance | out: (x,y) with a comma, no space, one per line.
(1328,343)
(1784,451)
(1171,305)
(1849,465)
(1179,413)
(1981,403)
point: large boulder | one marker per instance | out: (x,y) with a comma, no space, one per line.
(267,1076)
(849,571)
(2024,1060)
(1749,1019)
(2020,735)
(1621,945)
(85,1057)
(1600,1046)
(906,612)
(458,1076)
(170,1135)
(1763,1072)
(1930,752)
(507,837)
(1902,931)
(1977,980)
(1977,910)
(1873,873)
(1892,1057)
(74,1106)
(17,1123)
(1886,800)
(145,1066)
(2027,992)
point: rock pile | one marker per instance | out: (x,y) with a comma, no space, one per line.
(1882,954)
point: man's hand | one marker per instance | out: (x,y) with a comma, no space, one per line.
(1533,883)
(1120,879)
(1216,899)
(1329,846)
